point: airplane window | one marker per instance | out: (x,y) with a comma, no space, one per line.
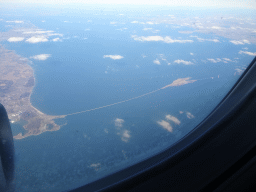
(93,88)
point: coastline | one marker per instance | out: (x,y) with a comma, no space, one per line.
(17,81)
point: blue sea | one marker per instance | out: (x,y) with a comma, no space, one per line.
(76,77)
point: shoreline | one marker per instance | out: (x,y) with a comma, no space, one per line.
(17,81)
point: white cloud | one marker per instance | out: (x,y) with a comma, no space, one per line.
(15,39)
(135,22)
(183,62)
(56,39)
(155,31)
(212,60)
(115,57)
(170,40)
(246,41)
(239,71)
(41,57)
(237,42)
(164,59)
(189,115)
(113,23)
(166,125)
(95,166)
(217,27)
(227,59)
(215,60)
(242,42)
(41,36)
(191,53)
(156,61)
(122,29)
(247,53)
(37,32)
(150,23)
(214,40)
(186,32)
(173,119)
(146,29)
(166,39)
(149,38)
(202,39)
(37,39)
(151,29)
(55,34)
(15,21)
(125,136)
(119,122)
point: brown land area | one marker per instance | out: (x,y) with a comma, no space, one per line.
(16,85)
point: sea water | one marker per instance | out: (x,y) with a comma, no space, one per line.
(77,78)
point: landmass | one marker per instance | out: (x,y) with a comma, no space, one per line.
(16,84)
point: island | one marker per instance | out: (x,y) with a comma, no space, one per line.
(16,85)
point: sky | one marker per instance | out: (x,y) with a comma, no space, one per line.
(194,3)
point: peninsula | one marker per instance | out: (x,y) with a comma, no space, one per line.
(16,84)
